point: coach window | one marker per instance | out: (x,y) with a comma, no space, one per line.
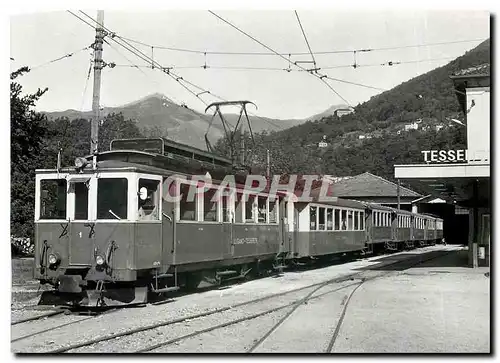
(148,208)
(226,207)
(329,219)
(250,209)
(312,218)
(112,198)
(273,210)
(361,221)
(350,222)
(262,209)
(210,205)
(344,220)
(356,221)
(187,204)
(53,199)
(321,219)
(337,219)
(239,208)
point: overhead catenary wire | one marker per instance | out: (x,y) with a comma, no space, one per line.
(198,51)
(305,37)
(278,54)
(68,55)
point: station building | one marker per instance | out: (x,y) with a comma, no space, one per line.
(462,177)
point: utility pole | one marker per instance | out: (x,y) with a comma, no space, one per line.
(399,198)
(268,163)
(242,143)
(98,65)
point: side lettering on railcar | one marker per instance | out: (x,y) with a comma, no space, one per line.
(249,240)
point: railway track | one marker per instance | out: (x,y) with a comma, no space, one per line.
(294,304)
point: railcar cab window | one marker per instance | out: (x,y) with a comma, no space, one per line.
(361,221)
(81,191)
(226,209)
(356,220)
(239,208)
(187,204)
(112,197)
(53,199)
(149,200)
(350,220)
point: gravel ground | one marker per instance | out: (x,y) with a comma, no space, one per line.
(437,313)
(126,319)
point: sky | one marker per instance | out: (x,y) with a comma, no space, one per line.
(38,38)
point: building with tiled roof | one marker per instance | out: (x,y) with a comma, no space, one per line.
(371,188)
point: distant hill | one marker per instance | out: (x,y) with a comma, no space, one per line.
(380,122)
(157,115)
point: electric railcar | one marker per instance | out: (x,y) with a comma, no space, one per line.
(106,235)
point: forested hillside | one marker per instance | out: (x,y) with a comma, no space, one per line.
(429,97)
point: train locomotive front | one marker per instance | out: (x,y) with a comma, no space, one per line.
(96,228)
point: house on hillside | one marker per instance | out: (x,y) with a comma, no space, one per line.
(343,111)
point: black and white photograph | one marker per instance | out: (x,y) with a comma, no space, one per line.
(210,180)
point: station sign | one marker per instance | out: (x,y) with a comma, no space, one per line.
(443,156)
(455,156)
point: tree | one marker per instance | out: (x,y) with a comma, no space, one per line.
(28,129)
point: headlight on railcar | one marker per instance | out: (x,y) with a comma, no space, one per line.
(99,260)
(53,259)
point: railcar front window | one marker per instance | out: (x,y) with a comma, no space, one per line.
(361,220)
(149,208)
(53,199)
(238,208)
(187,204)
(81,201)
(112,198)
(356,221)
(226,210)
(321,219)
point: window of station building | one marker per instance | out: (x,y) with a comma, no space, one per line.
(210,205)
(53,199)
(112,198)
(321,219)
(344,220)
(250,209)
(329,219)
(262,209)
(312,218)
(361,221)
(337,219)
(356,220)
(273,210)
(81,191)
(187,203)
(149,209)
